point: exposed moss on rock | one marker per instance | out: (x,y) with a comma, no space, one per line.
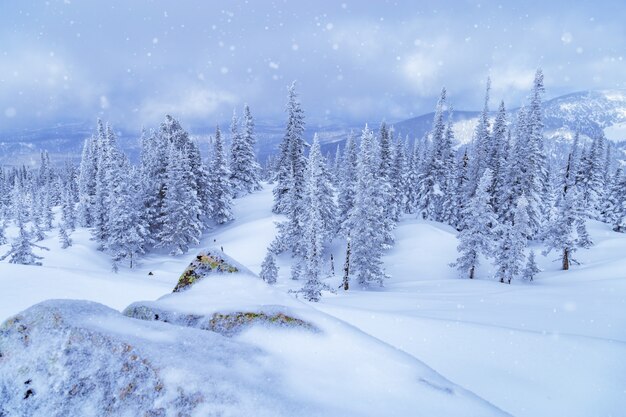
(205,263)
(227,324)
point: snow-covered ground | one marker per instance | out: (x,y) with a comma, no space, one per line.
(552,347)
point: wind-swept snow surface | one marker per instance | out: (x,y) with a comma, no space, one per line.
(555,346)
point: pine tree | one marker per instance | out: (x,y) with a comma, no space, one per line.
(501,138)
(567,232)
(481,153)
(128,229)
(531,269)
(366,222)
(318,220)
(244,168)
(221,190)
(347,182)
(64,238)
(269,270)
(510,251)
(433,181)
(181,207)
(3,236)
(68,211)
(21,251)
(478,235)
(291,163)
(412,195)
(398,180)
(592,177)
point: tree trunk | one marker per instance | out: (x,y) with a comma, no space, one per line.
(472,272)
(346,269)
(565,259)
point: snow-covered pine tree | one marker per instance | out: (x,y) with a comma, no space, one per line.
(592,176)
(21,251)
(398,180)
(128,229)
(347,183)
(567,232)
(86,184)
(448,210)
(102,151)
(244,168)
(478,235)
(616,201)
(221,191)
(537,176)
(319,216)
(181,207)
(68,210)
(458,193)
(366,222)
(531,269)
(3,227)
(433,180)
(481,148)
(269,270)
(501,138)
(291,162)
(64,238)
(412,195)
(319,193)
(511,245)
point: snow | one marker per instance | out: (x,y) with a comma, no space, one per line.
(428,343)
(616,132)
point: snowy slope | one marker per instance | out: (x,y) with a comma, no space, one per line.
(553,347)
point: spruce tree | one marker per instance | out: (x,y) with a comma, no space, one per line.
(269,270)
(478,235)
(244,168)
(347,182)
(433,181)
(366,222)
(64,238)
(510,250)
(318,220)
(181,207)
(291,162)
(531,269)
(221,191)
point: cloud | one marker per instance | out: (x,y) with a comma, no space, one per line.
(192,104)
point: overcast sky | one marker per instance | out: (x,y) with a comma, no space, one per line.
(130,62)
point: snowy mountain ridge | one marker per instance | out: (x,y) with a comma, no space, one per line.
(588,112)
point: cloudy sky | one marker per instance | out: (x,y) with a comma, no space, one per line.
(130,62)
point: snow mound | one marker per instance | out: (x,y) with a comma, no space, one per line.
(71,358)
(208,262)
(226,304)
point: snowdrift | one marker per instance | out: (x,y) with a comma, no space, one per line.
(228,345)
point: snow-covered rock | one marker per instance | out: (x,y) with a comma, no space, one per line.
(79,358)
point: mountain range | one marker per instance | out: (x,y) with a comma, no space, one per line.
(586,112)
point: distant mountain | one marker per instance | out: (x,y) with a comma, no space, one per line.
(588,112)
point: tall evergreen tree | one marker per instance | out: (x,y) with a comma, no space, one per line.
(244,168)
(269,270)
(366,218)
(347,182)
(221,190)
(181,207)
(291,162)
(433,181)
(478,235)
(510,251)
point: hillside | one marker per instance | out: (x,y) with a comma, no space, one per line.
(479,347)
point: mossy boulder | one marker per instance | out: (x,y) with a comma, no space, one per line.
(206,263)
